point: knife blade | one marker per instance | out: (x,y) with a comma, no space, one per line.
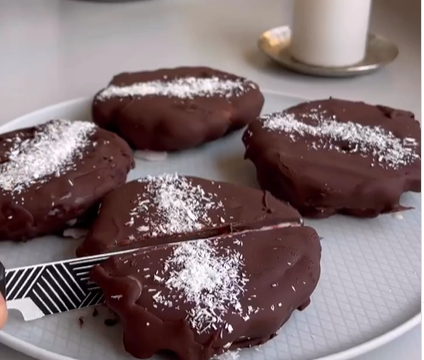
(55,287)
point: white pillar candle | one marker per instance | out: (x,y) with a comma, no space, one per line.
(330,33)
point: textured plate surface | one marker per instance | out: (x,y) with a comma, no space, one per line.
(369,292)
(276,42)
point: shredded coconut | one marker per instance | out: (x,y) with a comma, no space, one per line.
(210,277)
(228,355)
(180,207)
(51,151)
(387,149)
(398,215)
(150,155)
(75,233)
(184,88)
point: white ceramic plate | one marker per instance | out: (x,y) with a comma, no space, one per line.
(369,292)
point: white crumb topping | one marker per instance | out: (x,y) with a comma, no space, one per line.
(385,148)
(210,276)
(150,155)
(51,151)
(184,88)
(75,233)
(398,215)
(180,207)
(228,355)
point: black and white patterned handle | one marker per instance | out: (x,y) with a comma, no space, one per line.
(56,287)
(2,280)
(46,289)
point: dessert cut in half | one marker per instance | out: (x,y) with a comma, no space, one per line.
(175,109)
(52,174)
(336,156)
(173,208)
(201,298)
(225,266)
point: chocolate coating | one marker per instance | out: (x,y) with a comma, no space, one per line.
(169,123)
(321,172)
(46,205)
(240,208)
(282,267)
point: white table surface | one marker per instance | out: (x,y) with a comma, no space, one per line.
(56,50)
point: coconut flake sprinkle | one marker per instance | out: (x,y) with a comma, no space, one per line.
(51,151)
(210,277)
(179,206)
(184,88)
(228,355)
(346,137)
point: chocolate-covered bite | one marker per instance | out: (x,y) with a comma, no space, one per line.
(337,156)
(201,298)
(51,174)
(169,208)
(175,109)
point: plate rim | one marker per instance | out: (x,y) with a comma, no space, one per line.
(354,351)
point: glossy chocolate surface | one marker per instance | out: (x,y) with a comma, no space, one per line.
(50,178)
(171,208)
(336,156)
(175,109)
(245,288)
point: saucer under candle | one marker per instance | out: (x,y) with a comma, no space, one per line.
(379,52)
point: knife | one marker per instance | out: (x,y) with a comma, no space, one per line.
(55,287)
(52,288)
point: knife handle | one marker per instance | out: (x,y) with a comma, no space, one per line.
(2,280)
